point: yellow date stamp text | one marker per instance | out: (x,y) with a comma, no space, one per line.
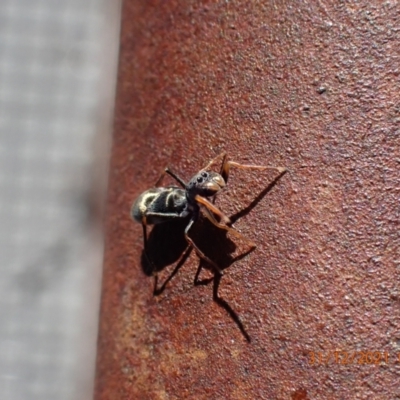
(352,357)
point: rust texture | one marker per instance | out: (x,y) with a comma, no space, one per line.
(312,86)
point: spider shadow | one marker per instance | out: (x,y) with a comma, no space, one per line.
(218,246)
(223,264)
(167,245)
(259,197)
(216,279)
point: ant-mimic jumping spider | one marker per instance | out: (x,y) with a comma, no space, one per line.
(162,204)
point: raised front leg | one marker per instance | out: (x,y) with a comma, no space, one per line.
(214,160)
(226,165)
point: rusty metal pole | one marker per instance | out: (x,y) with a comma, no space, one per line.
(314,311)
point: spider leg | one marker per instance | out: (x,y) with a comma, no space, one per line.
(169,172)
(213,161)
(211,207)
(176,177)
(234,232)
(144,226)
(158,290)
(226,165)
(198,251)
(166,216)
(160,179)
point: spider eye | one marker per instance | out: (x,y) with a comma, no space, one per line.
(199,179)
(204,174)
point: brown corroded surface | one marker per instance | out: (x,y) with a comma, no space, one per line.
(313,86)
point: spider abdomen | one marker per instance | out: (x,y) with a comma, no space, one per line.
(157,203)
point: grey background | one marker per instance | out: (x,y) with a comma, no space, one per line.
(57,77)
